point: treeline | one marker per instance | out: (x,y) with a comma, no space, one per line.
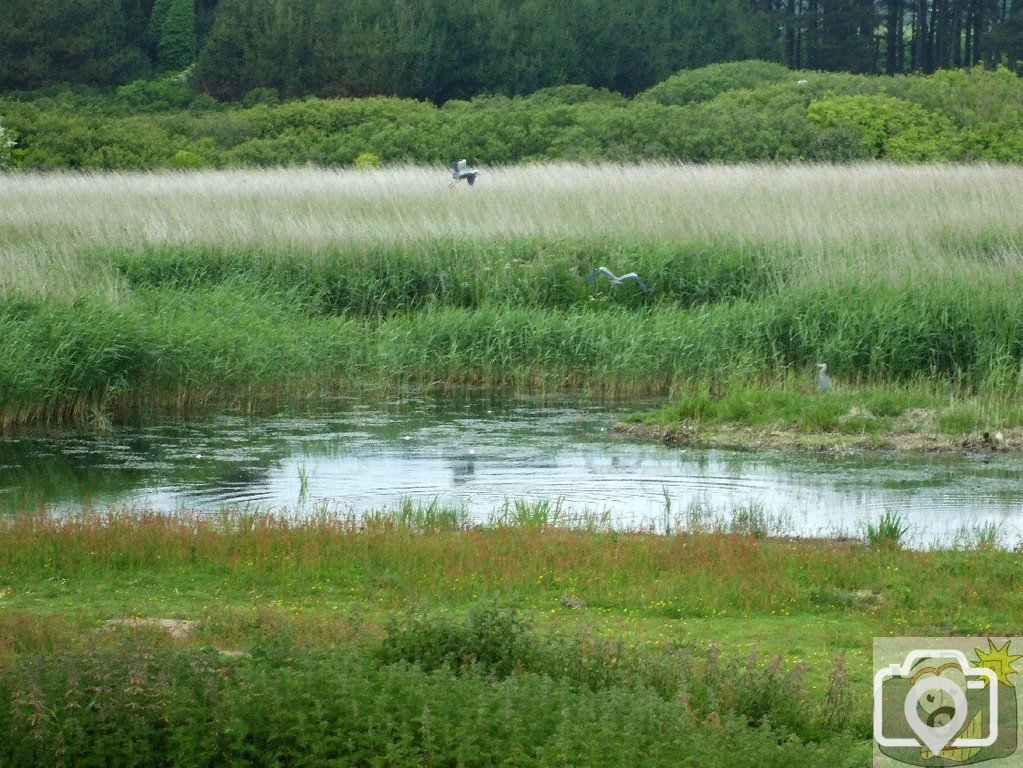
(456,49)
(897,36)
(724,112)
(97,42)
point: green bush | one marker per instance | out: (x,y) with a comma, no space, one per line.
(183,159)
(256,96)
(492,637)
(158,95)
(367,160)
(739,112)
(891,128)
(7,143)
(690,86)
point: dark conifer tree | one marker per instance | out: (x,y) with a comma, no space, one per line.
(176,47)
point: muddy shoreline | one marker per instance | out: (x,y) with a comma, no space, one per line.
(693,434)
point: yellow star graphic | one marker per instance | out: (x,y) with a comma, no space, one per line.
(998,660)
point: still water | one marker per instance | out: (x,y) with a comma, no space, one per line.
(484,453)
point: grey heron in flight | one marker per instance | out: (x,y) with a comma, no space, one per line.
(461,170)
(823,382)
(615,280)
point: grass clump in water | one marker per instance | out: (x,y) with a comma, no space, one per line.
(888,532)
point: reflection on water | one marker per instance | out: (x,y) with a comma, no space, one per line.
(482,453)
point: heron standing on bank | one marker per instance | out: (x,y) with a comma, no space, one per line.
(615,280)
(461,170)
(823,382)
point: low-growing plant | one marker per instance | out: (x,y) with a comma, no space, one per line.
(491,637)
(149,705)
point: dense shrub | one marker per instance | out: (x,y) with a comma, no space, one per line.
(367,160)
(704,84)
(139,702)
(184,160)
(491,638)
(890,128)
(158,95)
(702,115)
(495,639)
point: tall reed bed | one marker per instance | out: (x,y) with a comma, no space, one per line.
(56,228)
(179,347)
(120,290)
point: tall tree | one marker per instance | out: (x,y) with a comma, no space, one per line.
(155,25)
(66,41)
(176,47)
(893,41)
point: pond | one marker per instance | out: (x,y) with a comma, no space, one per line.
(488,452)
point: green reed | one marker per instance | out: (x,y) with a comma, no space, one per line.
(168,345)
(883,288)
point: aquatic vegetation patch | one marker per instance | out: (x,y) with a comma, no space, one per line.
(239,283)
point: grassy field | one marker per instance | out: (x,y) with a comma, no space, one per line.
(416,637)
(745,650)
(122,292)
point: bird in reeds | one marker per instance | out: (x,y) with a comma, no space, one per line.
(994,442)
(461,170)
(823,381)
(615,280)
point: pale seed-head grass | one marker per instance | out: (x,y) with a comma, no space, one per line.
(836,220)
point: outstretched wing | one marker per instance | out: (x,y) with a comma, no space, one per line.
(637,278)
(471,178)
(454,166)
(462,165)
(598,272)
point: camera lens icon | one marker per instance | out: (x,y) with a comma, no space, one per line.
(936,708)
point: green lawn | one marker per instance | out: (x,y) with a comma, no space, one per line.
(783,613)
